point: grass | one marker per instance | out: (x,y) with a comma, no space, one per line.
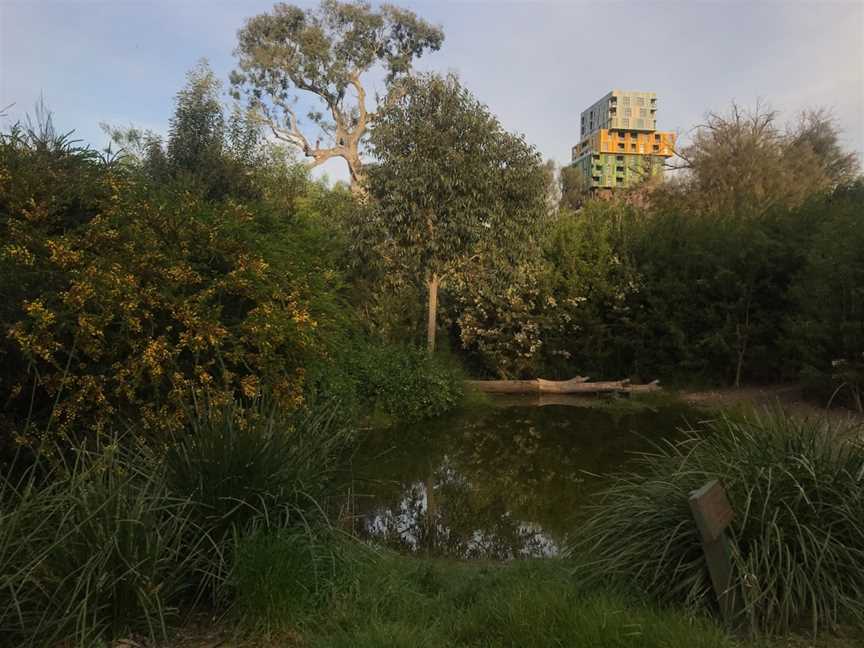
(93,547)
(111,538)
(393,601)
(797,487)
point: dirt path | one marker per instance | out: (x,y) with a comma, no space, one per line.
(787,396)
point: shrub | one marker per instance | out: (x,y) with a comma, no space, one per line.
(123,296)
(92,548)
(249,467)
(406,382)
(825,331)
(797,487)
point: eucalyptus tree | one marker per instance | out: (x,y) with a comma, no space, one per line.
(450,185)
(325,52)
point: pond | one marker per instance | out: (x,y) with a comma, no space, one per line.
(504,481)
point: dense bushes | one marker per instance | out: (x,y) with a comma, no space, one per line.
(94,548)
(116,539)
(620,290)
(797,488)
(825,330)
(124,299)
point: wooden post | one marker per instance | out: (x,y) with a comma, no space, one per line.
(432,324)
(713,514)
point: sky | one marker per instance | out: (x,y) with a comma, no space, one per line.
(535,64)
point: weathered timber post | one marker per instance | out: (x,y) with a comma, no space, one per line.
(713,514)
(432,323)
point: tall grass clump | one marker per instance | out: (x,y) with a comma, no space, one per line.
(797,488)
(284,576)
(92,546)
(251,467)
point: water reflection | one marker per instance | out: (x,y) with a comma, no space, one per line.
(502,483)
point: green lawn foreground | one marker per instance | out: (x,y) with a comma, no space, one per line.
(395,601)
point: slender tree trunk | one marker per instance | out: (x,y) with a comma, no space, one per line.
(743,335)
(431,325)
(358,177)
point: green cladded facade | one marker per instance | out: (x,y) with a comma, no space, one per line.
(619,145)
(608,171)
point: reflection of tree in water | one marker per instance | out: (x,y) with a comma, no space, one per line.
(445,515)
(503,484)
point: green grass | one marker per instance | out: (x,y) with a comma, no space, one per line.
(94,546)
(393,601)
(797,487)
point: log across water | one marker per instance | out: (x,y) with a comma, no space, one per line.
(577,385)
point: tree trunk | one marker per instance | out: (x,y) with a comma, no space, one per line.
(358,177)
(431,325)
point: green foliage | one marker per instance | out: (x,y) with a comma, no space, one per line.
(198,126)
(826,329)
(621,291)
(393,382)
(253,469)
(123,297)
(451,188)
(116,539)
(94,547)
(248,466)
(797,487)
(285,575)
(449,179)
(504,314)
(325,52)
(403,602)
(209,152)
(743,164)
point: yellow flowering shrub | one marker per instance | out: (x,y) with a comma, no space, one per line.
(120,302)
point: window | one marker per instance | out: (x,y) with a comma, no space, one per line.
(619,158)
(640,123)
(656,138)
(633,147)
(640,101)
(626,101)
(627,112)
(656,147)
(619,169)
(621,145)
(643,112)
(626,122)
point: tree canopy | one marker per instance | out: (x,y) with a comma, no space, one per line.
(325,52)
(450,184)
(743,163)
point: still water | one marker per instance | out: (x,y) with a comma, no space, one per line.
(506,481)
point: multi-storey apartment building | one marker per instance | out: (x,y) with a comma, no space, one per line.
(620,145)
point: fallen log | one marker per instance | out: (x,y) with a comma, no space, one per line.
(578,385)
(537,386)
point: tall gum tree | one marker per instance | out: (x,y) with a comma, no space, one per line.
(450,185)
(325,52)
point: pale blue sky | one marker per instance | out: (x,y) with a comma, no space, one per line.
(536,64)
